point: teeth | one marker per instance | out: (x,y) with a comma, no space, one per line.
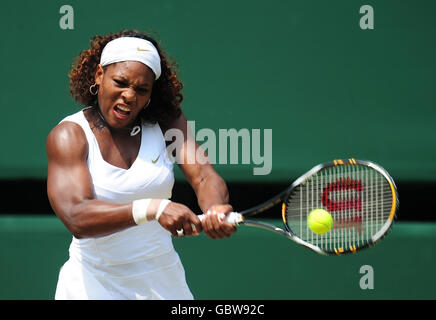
(123,108)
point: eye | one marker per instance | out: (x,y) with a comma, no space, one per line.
(120,83)
(141,90)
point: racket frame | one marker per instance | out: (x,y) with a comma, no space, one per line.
(284,195)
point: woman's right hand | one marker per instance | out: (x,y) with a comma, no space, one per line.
(177,216)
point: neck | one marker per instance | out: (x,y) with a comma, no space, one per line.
(133,130)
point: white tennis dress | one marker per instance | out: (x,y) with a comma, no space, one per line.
(136,263)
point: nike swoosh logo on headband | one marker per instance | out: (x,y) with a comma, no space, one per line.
(139,49)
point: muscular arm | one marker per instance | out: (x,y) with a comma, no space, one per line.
(70,191)
(71,196)
(210,189)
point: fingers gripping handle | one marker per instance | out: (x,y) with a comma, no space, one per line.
(232,218)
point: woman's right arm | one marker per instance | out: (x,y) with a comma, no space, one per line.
(71,196)
(70,190)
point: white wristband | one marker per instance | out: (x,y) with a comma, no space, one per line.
(163,204)
(139,210)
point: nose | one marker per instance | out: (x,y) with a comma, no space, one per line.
(129,95)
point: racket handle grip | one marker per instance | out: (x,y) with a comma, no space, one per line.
(232,218)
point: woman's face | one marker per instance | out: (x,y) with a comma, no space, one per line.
(124,89)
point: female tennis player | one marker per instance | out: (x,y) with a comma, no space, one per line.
(110,178)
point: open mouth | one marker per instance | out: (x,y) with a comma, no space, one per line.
(121,112)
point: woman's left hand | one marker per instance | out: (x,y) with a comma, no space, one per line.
(214,226)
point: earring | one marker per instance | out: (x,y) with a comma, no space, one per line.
(147,103)
(93,89)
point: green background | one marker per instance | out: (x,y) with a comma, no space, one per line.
(253,264)
(302,68)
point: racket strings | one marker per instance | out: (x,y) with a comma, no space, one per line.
(359,198)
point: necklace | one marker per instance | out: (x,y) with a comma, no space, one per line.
(133,131)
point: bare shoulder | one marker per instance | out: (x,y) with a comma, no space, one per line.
(66,141)
(177,123)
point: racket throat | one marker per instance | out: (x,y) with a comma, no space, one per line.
(266,226)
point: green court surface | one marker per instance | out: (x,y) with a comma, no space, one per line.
(253,264)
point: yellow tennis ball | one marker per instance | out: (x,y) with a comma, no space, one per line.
(320,221)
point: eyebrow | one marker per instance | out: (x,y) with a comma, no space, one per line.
(122,78)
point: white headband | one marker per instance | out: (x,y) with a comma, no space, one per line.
(131,49)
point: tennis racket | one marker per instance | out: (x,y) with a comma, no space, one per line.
(360,196)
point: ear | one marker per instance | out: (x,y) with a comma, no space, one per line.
(99,75)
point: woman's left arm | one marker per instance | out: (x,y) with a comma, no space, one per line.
(209,186)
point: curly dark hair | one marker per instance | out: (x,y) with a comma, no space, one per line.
(166,96)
